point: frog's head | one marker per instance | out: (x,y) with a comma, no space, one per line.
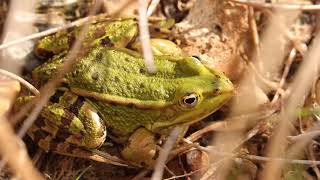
(197,96)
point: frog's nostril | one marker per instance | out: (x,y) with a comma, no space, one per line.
(222,84)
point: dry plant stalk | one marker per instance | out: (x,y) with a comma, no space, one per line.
(15,153)
(279,6)
(164,153)
(153,5)
(13,149)
(271,66)
(48,89)
(23,164)
(145,37)
(299,88)
(79,22)
(266,65)
(25,83)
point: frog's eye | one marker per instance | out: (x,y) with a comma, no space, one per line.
(189,100)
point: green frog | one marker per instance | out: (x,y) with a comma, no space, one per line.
(109,94)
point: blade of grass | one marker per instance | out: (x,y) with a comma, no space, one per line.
(164,153)
(145,37)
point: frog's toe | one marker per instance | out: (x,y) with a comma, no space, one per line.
(48,142)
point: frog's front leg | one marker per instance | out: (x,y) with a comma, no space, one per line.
(141,149)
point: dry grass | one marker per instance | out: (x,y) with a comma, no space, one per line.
(272,51)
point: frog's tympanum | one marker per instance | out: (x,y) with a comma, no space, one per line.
(110,93)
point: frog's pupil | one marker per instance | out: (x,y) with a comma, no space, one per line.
(190,100)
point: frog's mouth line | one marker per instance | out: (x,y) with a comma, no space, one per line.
(224,97)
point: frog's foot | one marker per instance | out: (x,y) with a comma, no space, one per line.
(47,142)
(141,149)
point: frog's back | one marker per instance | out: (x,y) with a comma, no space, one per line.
(122,73)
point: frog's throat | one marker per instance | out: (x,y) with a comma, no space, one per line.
(113,99)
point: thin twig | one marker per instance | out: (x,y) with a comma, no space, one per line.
(169,171)
(285,73)
(305,136)
(225,125)
(310,152)
(164,153)
(183,175)
(145,37)
(283,160)
(45,33)
(153,5)
(216,126)
(15,153)
(48,90)
(141,174)
(297,44)
(260,158)
(300,87)
(214,150)
(26,108)
(300,7)
(214,169)
(255,37)
(37,156)
(266,81)
(21,80)
(112,159)
(78,22)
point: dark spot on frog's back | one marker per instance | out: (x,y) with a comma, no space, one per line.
(99,56)
(142,71)
(106,42)
(116,79)
(95,76)
(75,73)
(142,85)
